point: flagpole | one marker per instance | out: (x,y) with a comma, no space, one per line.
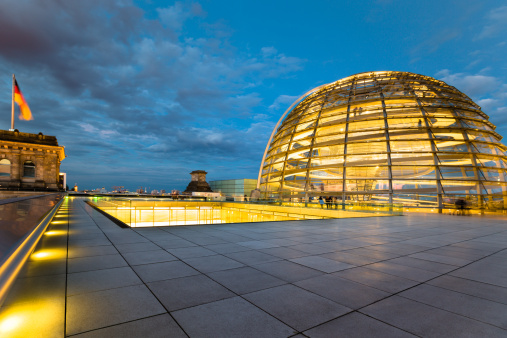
(12,106)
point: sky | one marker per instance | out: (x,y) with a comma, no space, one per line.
(140,93)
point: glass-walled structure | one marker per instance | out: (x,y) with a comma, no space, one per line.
(234,188)
(386,136)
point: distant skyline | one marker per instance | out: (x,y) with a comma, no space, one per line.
(141,93)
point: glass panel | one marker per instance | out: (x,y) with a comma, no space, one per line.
(410,146)
(329,150)
(367,148)
(368,160)
(465,173)
(413,172)
(451,146)
(327,161)
(415,186)
(367,172)
(29,169)
(366,125)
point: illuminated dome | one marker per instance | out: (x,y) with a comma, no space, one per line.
(386,136)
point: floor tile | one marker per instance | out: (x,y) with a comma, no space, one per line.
(342,291)
(427,321)
(288,271)
(285,253)
(469,306)
(193,251)
(377,279)
(356,325)
(252,257)
(226,248)
(162,271)
(136,247)
(95,263)
(403,271)
(257,245)
(148,257)
(213,263)
(322,264)
(296,307)
(180,293)
(96,310)
(441,259)
(92,251)
(233,317)
(423,264)
(44,268)
(245,280)
(350,258)
(470,287)
(90,281)
(152,327)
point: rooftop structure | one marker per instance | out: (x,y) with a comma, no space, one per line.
(426,275)
(198,182)
(30,161)
(386,136)
(234,188)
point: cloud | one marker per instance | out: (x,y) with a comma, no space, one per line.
(282,102)
(489,92)
(121,86)
(471,85)
(496,23)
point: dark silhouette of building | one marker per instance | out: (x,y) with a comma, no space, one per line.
(198,182)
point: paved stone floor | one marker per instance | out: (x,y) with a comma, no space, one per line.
(413,275)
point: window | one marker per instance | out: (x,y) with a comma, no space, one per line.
(29,169)
(5,167)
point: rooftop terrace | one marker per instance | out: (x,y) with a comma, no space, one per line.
(412,275)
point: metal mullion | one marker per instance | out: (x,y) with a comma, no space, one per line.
(345,142)
(438,175)
(280,189)
(310,154)
(468,143)
(388,143)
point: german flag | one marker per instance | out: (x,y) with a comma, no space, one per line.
(25,114)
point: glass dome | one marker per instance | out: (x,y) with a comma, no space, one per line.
(386,136)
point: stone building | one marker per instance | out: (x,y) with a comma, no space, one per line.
(30,161)
(198,182)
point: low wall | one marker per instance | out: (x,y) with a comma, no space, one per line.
(8,194)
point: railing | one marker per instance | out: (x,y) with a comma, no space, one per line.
(22,224)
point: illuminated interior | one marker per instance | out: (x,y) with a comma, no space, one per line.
(149,213)
(395,137)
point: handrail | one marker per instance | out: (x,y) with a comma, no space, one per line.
(12,265)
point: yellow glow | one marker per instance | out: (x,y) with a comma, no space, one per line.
(49,254)
(58,222)
(10,323)
(55,232)
(37,318)
(41,254)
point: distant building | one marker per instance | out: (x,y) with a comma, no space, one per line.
(30,161)
(234,188)
(198,182)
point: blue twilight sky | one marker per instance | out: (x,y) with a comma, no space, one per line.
(140,93)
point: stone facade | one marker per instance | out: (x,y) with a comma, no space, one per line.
(30,161)
(198,182)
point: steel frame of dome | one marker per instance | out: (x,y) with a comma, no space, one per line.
(386,136)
